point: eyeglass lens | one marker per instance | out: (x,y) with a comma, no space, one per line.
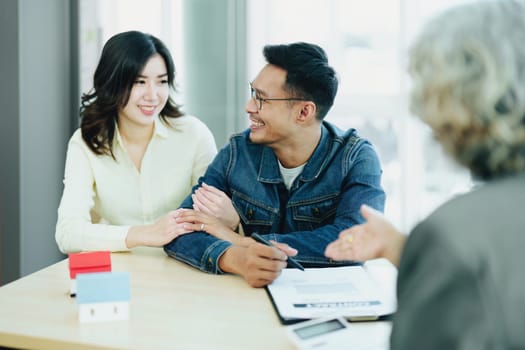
(258,101)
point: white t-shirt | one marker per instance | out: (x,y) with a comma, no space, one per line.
(102,197)
(289,174)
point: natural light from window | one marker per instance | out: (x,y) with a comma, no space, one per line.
(366,42)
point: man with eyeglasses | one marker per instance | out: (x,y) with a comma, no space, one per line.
(292,177)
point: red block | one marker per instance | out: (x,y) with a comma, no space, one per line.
(89,262)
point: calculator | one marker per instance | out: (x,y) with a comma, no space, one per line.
(320,334)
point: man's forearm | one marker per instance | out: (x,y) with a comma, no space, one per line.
(230,260)
(199,250)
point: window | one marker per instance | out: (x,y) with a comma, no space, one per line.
(366,42)
(100,19)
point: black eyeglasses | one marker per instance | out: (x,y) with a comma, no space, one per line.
(259,100)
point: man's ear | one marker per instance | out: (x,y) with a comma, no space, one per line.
(307,112)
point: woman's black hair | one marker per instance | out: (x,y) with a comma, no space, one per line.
(123,58)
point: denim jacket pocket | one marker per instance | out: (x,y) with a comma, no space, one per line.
(255,216)
(315,212)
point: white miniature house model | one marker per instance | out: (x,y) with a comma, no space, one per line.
(103,296)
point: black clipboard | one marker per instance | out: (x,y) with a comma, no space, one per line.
(284,320)
(289,320)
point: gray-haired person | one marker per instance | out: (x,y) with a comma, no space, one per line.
(459,284)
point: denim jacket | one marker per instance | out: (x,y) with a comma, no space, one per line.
(342,174)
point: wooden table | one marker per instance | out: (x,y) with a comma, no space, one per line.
(173,306)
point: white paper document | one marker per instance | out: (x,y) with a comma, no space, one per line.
(349,291)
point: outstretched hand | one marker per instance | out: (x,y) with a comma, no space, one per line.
(375,238)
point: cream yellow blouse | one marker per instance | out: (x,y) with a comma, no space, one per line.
(102,197)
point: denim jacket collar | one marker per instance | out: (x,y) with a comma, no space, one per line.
(269,167)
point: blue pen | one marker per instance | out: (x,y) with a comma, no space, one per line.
(291,260)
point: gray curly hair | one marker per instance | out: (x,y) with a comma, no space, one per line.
(468,70)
